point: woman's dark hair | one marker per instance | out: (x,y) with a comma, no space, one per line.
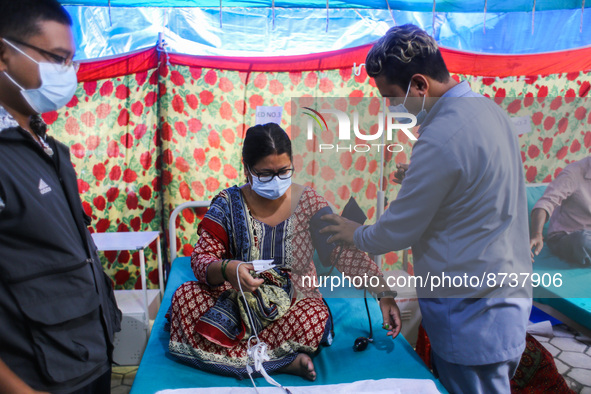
(264,140)
(19,18)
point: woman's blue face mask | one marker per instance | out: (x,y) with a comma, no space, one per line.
(272,186)
(271,190)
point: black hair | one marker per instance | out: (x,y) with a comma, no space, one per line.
(264,140)
(20,19)
(404,51)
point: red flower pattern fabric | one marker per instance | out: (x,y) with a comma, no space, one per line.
(144,143)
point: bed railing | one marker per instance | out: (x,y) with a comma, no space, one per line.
(172,221)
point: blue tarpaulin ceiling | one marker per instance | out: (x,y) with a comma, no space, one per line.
(255,28)
(406,5)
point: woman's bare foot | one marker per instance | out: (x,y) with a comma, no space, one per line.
(301,366)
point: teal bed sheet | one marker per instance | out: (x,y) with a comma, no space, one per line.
(385,358)
(567,294)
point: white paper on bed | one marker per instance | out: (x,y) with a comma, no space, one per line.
(262,265)
(541,329)
(381,386)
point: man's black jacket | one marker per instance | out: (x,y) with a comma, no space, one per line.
(57,309)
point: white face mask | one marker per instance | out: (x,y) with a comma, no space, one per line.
(58,85)
(271,190)
(401,108)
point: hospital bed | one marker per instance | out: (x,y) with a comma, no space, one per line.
(393,362)
(565,287)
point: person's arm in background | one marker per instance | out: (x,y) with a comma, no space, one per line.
(10,383)
(557,191)
(539,216)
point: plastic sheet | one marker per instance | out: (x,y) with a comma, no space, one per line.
(103,32)
(405,5)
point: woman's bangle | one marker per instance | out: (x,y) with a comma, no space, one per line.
(224,265)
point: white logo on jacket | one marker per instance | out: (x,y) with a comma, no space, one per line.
(43,187)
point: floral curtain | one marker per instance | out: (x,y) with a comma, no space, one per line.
(146,142)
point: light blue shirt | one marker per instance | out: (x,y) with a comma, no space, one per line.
(462,208)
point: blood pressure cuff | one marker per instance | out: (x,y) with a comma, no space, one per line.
(352,211)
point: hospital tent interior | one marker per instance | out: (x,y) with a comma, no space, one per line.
(167,89)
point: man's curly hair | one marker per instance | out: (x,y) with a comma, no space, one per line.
(404,51)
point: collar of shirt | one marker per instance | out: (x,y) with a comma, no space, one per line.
(6,120)
(461,89)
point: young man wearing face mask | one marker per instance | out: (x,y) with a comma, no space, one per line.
(57,310)
(462,208)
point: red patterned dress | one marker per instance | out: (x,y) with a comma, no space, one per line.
(229,231)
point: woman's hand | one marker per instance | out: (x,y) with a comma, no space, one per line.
(247,281)
(391,315)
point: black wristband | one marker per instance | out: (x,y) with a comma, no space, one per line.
(385,294)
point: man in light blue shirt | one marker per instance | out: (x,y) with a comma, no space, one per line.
(462,208)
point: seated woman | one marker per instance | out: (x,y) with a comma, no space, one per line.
(267,218)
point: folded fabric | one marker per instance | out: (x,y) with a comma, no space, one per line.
(228,322)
